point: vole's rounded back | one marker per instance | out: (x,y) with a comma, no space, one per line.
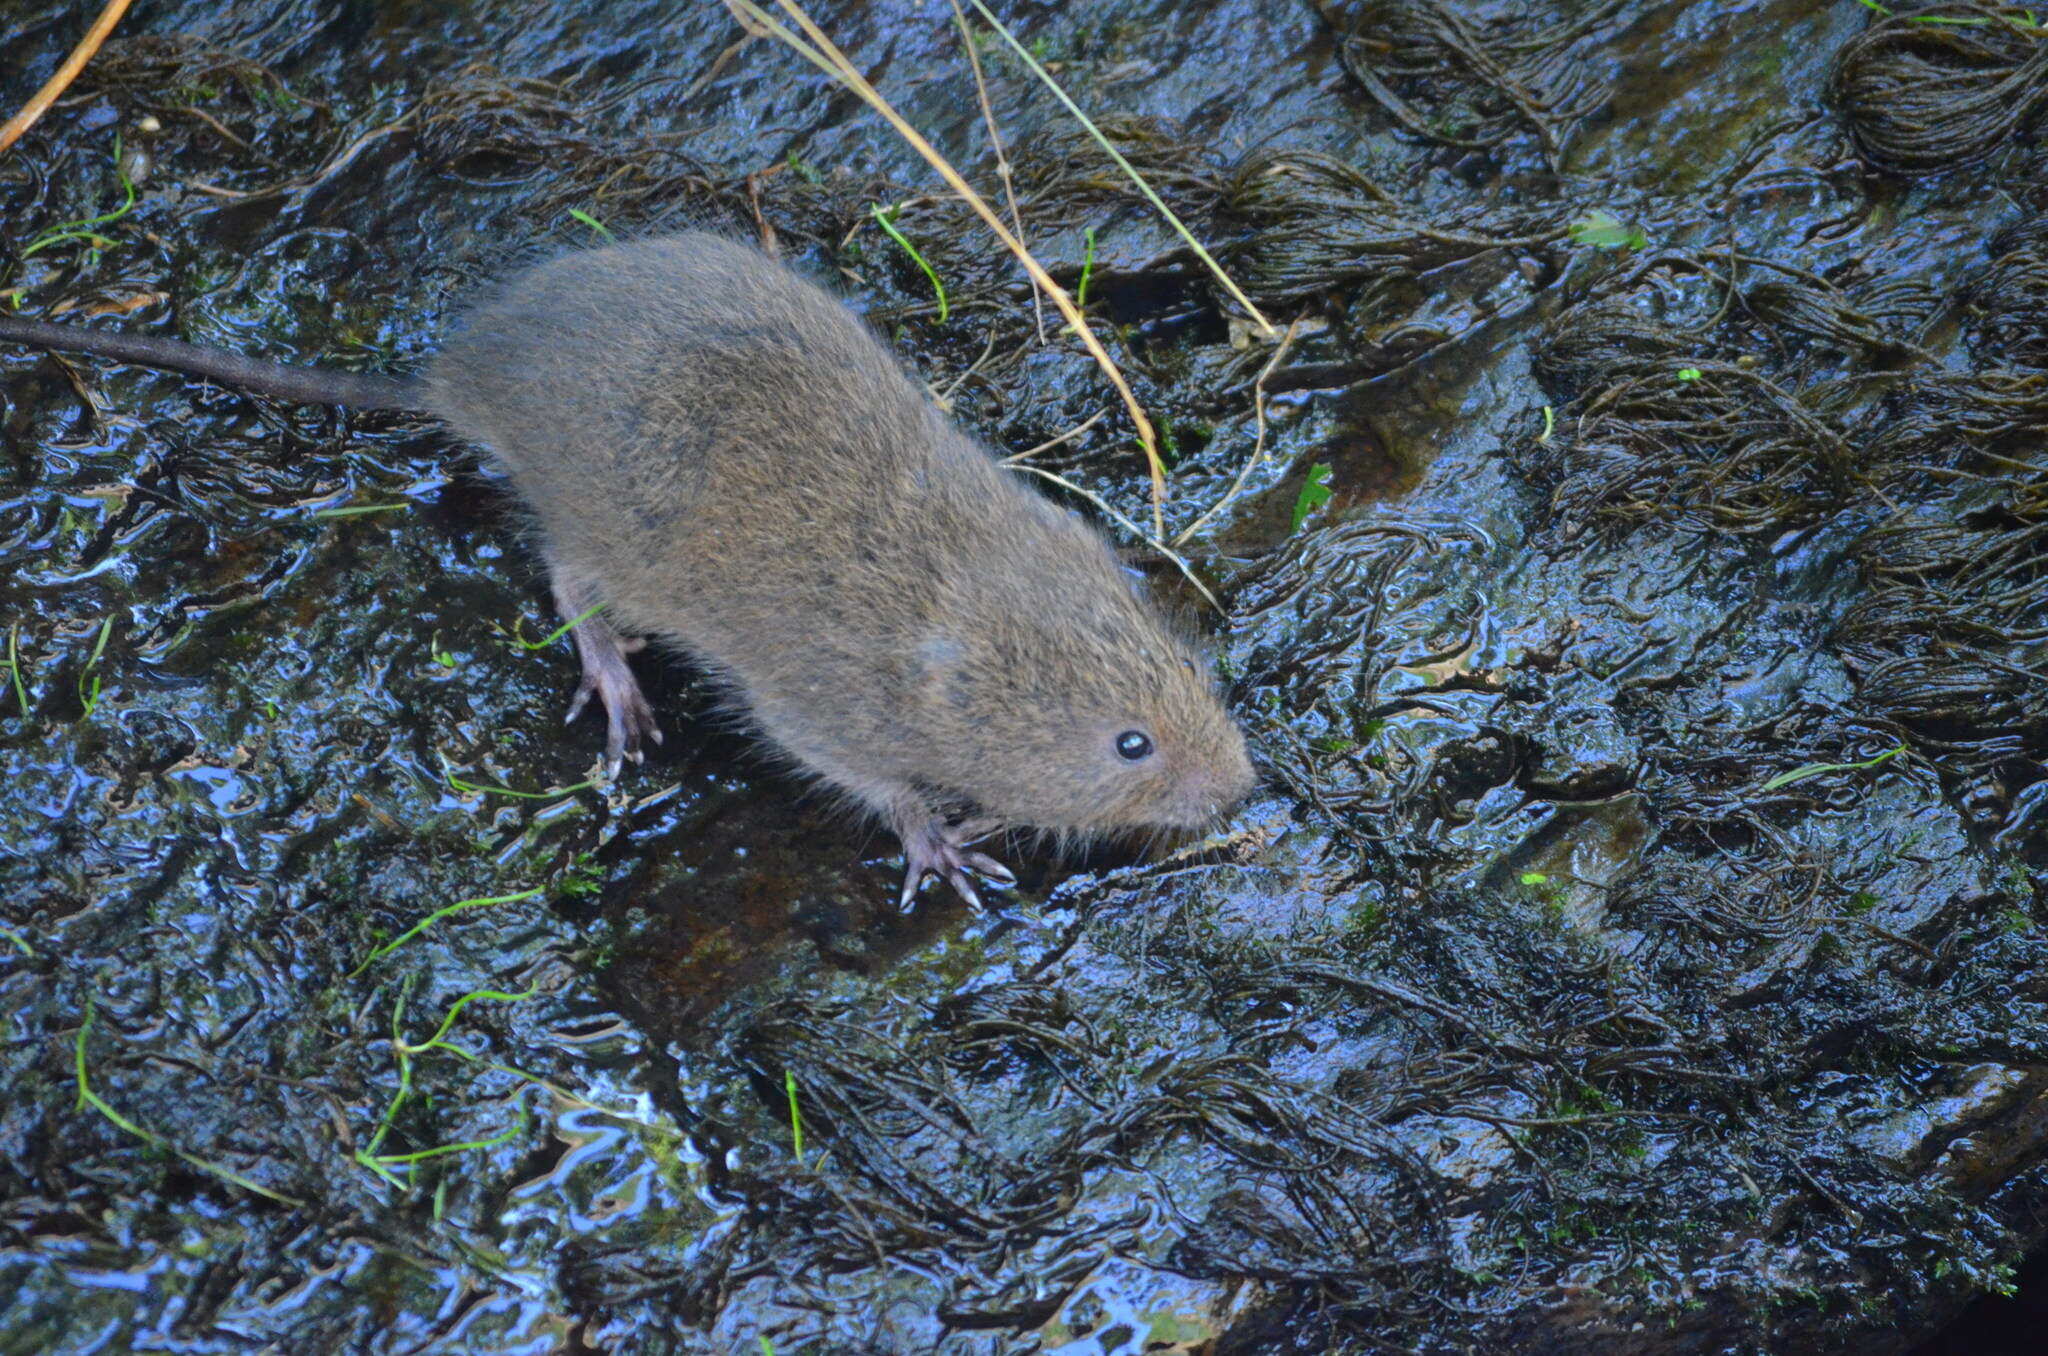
(728,460)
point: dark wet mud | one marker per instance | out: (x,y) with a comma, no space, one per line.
(1636,563)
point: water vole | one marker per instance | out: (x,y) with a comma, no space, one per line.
(724,458)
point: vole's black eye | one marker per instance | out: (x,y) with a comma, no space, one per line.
(1133,745)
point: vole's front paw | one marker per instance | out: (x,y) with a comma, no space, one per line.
(628,717)
(940,849)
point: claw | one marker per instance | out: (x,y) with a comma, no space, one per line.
(628,717)
(981,864)
(937,849)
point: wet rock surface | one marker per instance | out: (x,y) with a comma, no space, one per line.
(1637,943)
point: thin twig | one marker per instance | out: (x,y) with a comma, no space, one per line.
(1185,234)
(945,397)
(1161,547)
(828,58)
(716,68)
(40,102)
(995,140)
(333,165)
(217,125)
(1259,445)
(1050,443)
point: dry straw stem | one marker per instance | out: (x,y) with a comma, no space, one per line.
(995,141)
(39,104)
(828,58)
(1016,461)
(1265,325)
(1152,541)
(1258,444)
(1057,440)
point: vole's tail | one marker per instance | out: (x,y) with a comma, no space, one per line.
(306,385)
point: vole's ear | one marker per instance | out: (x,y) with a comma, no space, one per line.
(939,650)
(940,663)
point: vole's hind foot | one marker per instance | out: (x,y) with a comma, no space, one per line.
(628,717)
(940,849)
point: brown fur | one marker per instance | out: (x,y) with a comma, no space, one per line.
(734,465)
(725,458)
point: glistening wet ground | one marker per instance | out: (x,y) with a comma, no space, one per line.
(1677,376)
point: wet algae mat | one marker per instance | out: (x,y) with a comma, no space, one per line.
(1635,557)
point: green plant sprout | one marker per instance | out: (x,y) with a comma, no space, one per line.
(796,1120)
(14,668)
(1549,426)
(1689,374)
(1548,893)
(88,1098)
(1315,492)
(519,629)
(460,906)
(1603,230)
(90,696)
(582,876)
(456,783)
(604,232)
(19,940)
(358,510)
(82,229)
(2025,20)
(887,221)
(1800,774)
(380,1163)
(1087,269)
(445,658)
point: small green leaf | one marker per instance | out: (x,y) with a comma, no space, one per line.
(14,668)
(1603,230)
(604,232)
(1315,492)
(796,1120)
(1534,878)
(1549,425)
(1688,374)
(89,692)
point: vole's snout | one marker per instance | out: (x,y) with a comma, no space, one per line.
(1213,790)
(1236,782)
(1246,783)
